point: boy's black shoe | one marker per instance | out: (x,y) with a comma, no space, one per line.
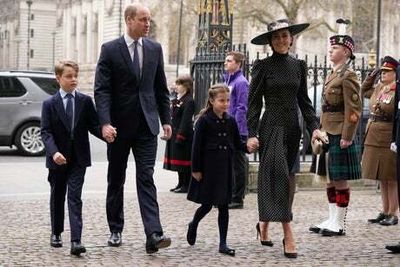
(56,241)
(77,248)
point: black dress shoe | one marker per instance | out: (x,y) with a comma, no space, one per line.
(390,220)
(115,240)
(56,241)
(156,241)
(227,251)
(191,234)
(394,248)
(175,188)
(314,229)
(381,216)
(77,248)
(327,232)
(183,189)
(235,205)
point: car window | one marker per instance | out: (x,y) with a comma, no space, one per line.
(48,85)
(11,87)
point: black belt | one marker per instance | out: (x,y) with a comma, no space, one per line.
(384,118)
(331,108)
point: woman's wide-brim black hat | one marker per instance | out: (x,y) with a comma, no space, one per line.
(278,25)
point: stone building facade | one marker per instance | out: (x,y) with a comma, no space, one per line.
(76,29)
(14,34)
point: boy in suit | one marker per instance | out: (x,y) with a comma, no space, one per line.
(67,117)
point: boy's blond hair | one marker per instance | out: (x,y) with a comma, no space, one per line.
(60,66)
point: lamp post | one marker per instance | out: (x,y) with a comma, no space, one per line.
(178,52)
(29,3)
(54,47)
(378,33)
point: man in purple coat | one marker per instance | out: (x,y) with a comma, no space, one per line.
(239,88)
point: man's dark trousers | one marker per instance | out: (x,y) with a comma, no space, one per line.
(71,176)
(144,148)
(240,175)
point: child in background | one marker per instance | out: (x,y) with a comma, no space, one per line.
(179,147)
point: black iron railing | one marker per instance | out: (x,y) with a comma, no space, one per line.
(207,69)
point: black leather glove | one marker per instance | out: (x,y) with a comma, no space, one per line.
(375,72)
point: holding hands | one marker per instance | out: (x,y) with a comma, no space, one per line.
(252,144)
(167,132)
(197,176)
(109,133)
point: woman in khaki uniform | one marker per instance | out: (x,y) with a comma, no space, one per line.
(378,161)
(341,109)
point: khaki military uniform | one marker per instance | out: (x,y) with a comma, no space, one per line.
(341,104)
(341,110)
(378,161)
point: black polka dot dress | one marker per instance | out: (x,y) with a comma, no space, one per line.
(280,81)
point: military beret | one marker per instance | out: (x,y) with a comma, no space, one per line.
(344,40)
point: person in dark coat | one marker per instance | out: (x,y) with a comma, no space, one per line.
(179,147)
(216,138)
(395,248)
(281,81)
(67,117)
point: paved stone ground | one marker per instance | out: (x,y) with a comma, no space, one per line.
(24,235)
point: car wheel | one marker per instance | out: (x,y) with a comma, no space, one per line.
(28,139)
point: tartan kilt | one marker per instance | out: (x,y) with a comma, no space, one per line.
(343,164)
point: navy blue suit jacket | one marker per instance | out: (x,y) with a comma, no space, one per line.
(56,134)
(119,95)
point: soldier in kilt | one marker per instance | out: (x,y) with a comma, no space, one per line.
(341,110)
(178,148)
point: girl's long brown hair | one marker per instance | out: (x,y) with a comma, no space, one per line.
(212,94)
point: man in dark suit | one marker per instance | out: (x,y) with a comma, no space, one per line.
(66,119)
(130,94)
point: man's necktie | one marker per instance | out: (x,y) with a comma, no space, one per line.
(69,110)
(136,65)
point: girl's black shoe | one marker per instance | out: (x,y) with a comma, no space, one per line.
(227,251)
(191,234)
(266,242)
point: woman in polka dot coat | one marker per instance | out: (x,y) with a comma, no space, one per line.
(281,80)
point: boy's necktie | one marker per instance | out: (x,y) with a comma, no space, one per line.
(69,110)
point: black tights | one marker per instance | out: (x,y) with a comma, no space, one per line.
(223,220)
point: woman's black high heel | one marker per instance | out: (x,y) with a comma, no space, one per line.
(288,254)
(266,242)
